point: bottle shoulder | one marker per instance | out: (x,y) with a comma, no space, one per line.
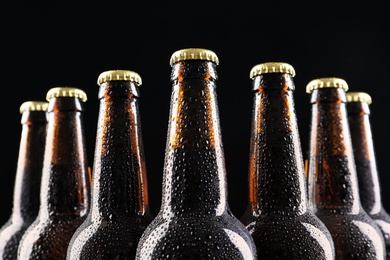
(10,236)
(113,227)
(300,226)
(55,227)
(381,215)
(95,239)
(13,227)
(193,218)
(304,237)
(382,219)
(200,236)
(48,238)
(355,235)
(345,224)
(198,229)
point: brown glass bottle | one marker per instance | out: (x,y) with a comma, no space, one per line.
(28,177)
(194,221)
(277,215)
(333,187)
(65,185)
(363,149)
(119,207)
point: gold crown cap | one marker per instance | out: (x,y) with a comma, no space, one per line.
(358,97)
(194,54)
(330,82)
(66,92)
(33,106)
(112,75)
(271,67)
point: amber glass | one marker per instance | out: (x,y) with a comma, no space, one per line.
(194,221)
(277,215)
(333,184)
(363,149)
(119,207)
(65,185)
(28,177)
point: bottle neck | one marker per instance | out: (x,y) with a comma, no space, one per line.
(29,167)
(119,174)
(65,184)
(332,173)
(194,178)
(276,170)
(363,149)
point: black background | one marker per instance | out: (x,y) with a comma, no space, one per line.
(46,45)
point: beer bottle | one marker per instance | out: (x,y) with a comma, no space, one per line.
(277,215)
(194,221)
(363,149)
(27,178)
(65,185)
(333,187)
(119,207)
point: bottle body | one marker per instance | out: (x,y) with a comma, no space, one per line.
(119,208)
(28,178)
(333,187)
(65,186)
(194,221)
(363,149)
(277,215)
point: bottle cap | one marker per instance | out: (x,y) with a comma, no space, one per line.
(358,97)
(66,92)
(326,83)
(33,106)
(111,75)
(272,67)
(193,54)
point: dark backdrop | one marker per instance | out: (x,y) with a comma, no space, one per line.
(46,45)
